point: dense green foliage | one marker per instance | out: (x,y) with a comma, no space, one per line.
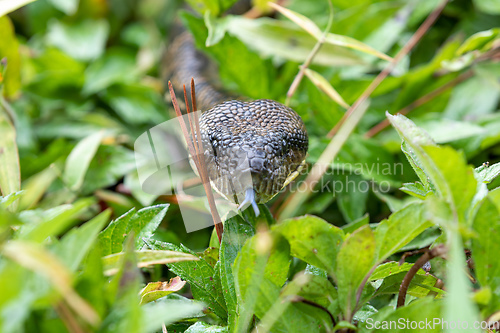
(83,248)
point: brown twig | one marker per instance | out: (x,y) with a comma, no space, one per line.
(415,38)
(195,148)
(437,251)
(421,101)
(412,253)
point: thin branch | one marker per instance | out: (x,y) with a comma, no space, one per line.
(429,21)
(437,251)
(310,57)
(196,150)
(421,101)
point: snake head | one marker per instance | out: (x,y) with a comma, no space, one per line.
(252,149)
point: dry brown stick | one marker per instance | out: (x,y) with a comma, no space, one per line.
(219,228)
(421,101)
(429,21)
(199,162)
(181,120)
(437,251)
(191,121)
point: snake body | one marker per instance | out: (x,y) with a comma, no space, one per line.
(252,149)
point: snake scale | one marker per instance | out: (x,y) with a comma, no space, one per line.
(252,149)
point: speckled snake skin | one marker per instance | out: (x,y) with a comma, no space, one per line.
(252,148)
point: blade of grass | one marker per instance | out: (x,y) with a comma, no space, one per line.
(322,84)
(39,260)
(10,174)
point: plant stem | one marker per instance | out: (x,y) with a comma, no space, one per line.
(405,284)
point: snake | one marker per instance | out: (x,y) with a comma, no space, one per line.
(252,148)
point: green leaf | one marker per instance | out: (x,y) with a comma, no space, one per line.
(400,229)
(442,167)
(478,40)
(424,311)
(415,189)
(167,311)
(388,269)
(488,6)
(146,258)
(236,232)
(330,38)
(74,245)
(116,66)
(68,7)
(458,305)
(350,273)
(312,240)
(354,225)
(484,245)
(201,327)
(53,222)
(125,312)
(79,160)
(200,276)
(352,43)
(279,38)
(36,186)
(258,270)
(7,6)
(9,199)
(352,196)
(34,257)
(473,98)
(84,40)
(488,172)
(126,99)
(9,49)
(143,223)
(322,84)
(319,290)
(155,290)
(216,28)
(109,165)
(10,175)
(421,285)
(203,6)
(243,70)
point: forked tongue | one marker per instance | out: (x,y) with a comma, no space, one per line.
(250,198)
